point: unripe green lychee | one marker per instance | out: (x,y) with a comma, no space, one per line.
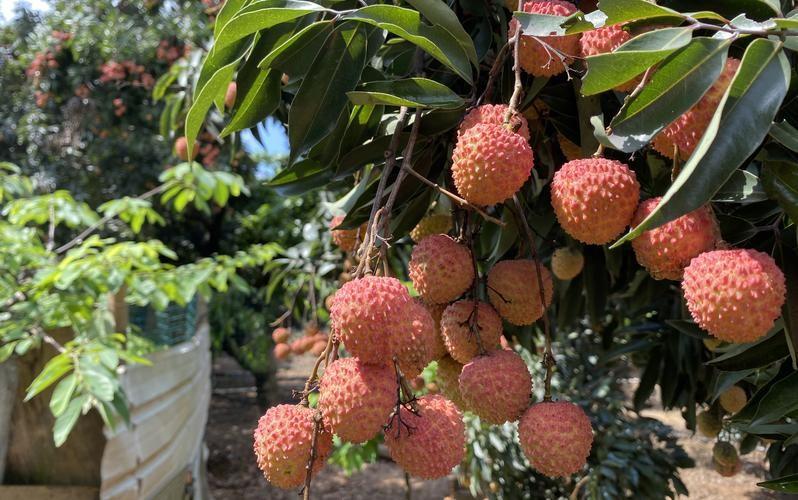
(431,224)
(709,424)
(725,453)
(567,263)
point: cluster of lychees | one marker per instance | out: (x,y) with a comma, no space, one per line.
(711,423)
(312,341)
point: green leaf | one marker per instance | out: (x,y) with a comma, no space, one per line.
(786,484)
(229,9)
(407,24)
(295,55)
(619,11)
(257,97)
(99,383)
(607,71)
(785,134)
(62,394)
(548,25)
(260,15)
(679,82)
(755,9)
(438,13)
(52,371)
(204,100)
(321,100)
(780,400)
(788,262)
(747,356)
(780,179)
(66,421)
(737,129)
(301,177)
(411,92)
(7,350)
(742,187)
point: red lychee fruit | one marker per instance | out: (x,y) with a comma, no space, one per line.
(448,379)
(230,95)
(683,134)
(355,399)
(431,224)
(437,348)
(365,313)
(283,445)
(282,351)
(496,386)
(456,329)
(513,289)
(594,199)
(346,239)
(181,148)
(440,268)
(735,295)
(490,163)
(427,445)
(546,55)
(318,347)
(666,250)
(413,339)
(299,346)
(556,437)
(604,40)
(567,263)
(493,114)
(280,335)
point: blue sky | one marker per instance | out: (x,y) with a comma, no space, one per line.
(7,7)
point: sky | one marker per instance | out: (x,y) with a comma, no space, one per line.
(7,7)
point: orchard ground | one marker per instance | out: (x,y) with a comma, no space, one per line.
(233,474)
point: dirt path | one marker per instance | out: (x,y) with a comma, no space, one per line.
(233,474)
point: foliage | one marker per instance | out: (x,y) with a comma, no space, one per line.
(47,287)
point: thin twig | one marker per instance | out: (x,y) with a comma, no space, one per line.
(487,93)
(407,159)
(517,87)
(575,493)
(312,458)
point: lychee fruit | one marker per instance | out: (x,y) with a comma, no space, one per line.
(550,59)
(567,263)
(430,443)
(440,268)
(282,351)
(733,399)
(493,114)
(230,95)
(569,149)
(496,386)
(725,453)
(683,134)
(709,424)
(365,313)
(735,295)
(346,239)
(604,40)
(514,290)
(728,470)
(459,336)
(666,250)
(283,445)
(437,348)
(413,339)
(318,347)
(448,378)
(594,199)
(431,224)
(355,399)
(299,346)
(280,335)
(490,163)
(555,437)
(181,148)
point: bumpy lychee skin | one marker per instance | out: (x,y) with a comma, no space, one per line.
(283,442)
(733,399)
(555,437)
(448,379)
(666,250)
(567,263)
(708,424)
(493,114)
(437,349)
(431,224)
(496,386)
(413,339)
(536,58)
(440,268)
(513,289)
(735,295)
(603,40)
(490,163)
(434,442)
(355,399)
(365,313)
(594,199)
(345,239)
(460,340)
(683,134)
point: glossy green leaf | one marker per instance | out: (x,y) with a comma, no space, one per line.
(52,371)
(785,134)
(407,24)
(321,100)
(742,187)
(737,129)
(619,11)
(297,48)
(411,92)
(301,177)
(229,9)
(438,13)
(548,25)
(66,421)
(203,101)
(260,15)
(679,82)
(780,400)
(260,98)
(607,71)
(786,484)
(747,356)
(755,9)
(63,394)
(780,179)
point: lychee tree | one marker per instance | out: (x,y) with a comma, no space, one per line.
(645,152)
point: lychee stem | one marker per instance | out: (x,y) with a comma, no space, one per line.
(495,69)
(517,87)
(309,467)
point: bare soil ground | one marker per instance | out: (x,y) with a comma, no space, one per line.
(233,475)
